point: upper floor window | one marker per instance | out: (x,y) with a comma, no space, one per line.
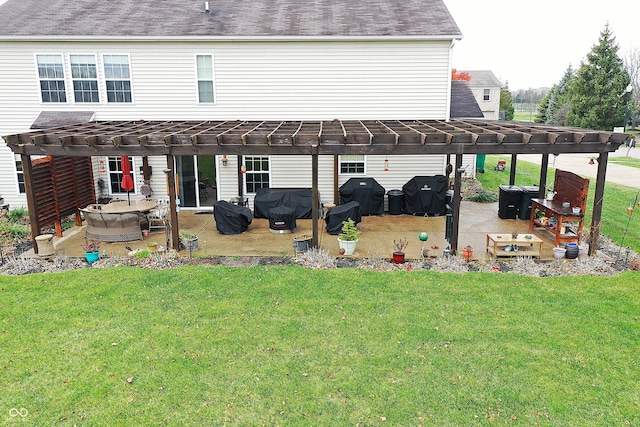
(85,78)
(51,75)
(204,66)
(352,164)
(487,95)
(257,174)
(118,78)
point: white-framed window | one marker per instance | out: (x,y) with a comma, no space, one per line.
(117,76)
(487,95)
(84,74)
(51,77)
(19,174)
(257,174)
(353,164)
(204,74)
(115,174)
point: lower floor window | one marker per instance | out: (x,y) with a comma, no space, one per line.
(352,164)
(20,175)
(115,174)
(257,173)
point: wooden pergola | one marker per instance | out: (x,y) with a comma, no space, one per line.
(316,138)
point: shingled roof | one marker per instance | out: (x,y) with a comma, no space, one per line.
(463,103)
(228,19)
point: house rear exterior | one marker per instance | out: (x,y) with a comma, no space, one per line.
(259,60)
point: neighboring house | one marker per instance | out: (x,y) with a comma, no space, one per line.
(69,62)
(486,89)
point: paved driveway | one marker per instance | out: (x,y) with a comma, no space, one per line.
(579,163)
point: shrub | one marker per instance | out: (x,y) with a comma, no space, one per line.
(484,196)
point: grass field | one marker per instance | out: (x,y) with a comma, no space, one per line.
(616,222)
(288,346)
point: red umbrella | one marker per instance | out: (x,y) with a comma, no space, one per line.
(127,182)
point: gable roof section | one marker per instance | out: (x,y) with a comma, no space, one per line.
(463,103)
(52,119)
(483,78)
(131,19)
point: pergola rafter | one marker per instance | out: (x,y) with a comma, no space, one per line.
(314,138)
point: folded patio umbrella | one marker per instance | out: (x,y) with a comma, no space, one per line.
(127,182)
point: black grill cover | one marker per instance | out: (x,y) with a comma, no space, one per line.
(338,214)
(298,199)
(425,195)
(231,219)
(282,218)
(365,191)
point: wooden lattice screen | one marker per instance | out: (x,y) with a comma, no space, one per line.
(61,185)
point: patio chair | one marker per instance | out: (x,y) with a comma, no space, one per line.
(158,217)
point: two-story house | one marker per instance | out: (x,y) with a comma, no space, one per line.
(486,89)
(68,62)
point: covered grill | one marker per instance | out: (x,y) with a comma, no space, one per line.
(367,192)
(230,218)
(425,195)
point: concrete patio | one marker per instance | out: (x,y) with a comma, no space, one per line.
(377,234)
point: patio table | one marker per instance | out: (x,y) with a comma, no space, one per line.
(125,207)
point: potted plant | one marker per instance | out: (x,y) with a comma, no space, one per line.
(467,252)
(152,246)
(348,238)
(91,250)
(188,241)
(398,250)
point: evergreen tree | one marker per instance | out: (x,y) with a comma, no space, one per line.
(506,102)
(543,107)
(595,92)
(560,99)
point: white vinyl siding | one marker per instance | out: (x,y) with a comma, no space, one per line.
(307,80)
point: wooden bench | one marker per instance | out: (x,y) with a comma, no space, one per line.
(572,189)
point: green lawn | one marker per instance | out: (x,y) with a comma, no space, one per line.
(626,161)
(344,347)
(615,219)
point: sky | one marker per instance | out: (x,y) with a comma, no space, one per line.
(531,44)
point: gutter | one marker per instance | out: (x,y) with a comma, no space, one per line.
(105,38)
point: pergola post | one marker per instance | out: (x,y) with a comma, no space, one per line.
(27,173)
(598,197)
(512,171)
(315,195)
(457,198)
(173,207)
(544,169)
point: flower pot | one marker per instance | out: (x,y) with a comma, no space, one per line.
(348,245)
(467,252)
(189,244)
(302,243)
(398,257)
(152,246)
(558,253)
(572,250)
(92,256)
